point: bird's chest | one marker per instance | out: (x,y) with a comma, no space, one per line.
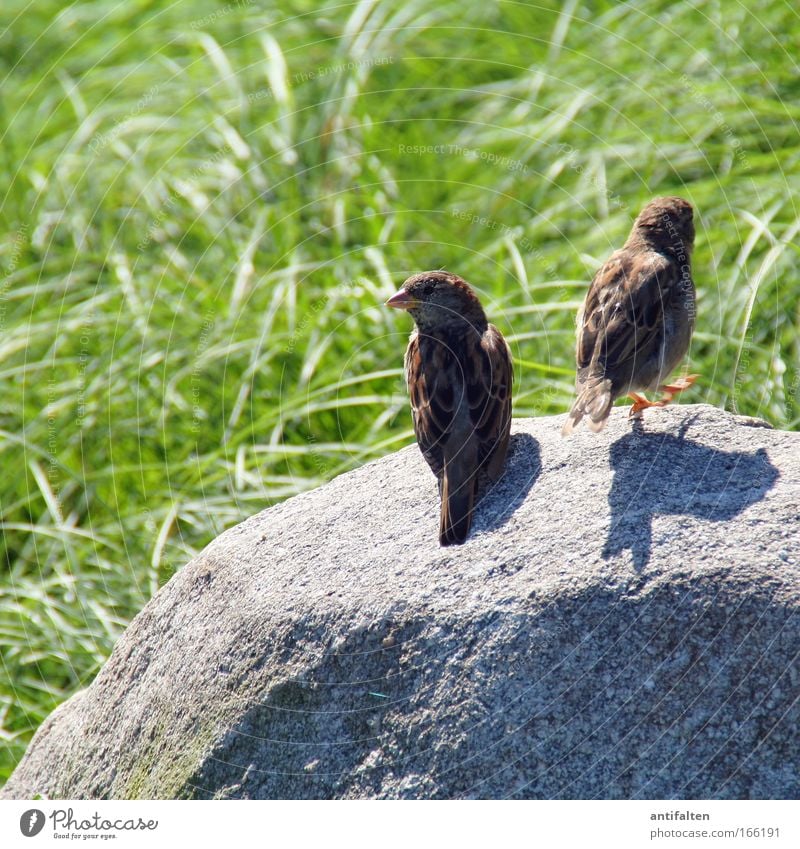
(442,360)
(447,367)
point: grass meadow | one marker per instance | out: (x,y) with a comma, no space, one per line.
(204,206)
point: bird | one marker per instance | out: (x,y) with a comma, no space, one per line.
(459,375)
(637,321)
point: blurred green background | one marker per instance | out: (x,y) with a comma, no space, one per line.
(204,206)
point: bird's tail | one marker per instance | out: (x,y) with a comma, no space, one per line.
(594,401)
(458,498)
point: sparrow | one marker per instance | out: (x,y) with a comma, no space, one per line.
(638,317)
(459,375)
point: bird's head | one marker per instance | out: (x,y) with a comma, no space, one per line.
(438,300)
(666,223)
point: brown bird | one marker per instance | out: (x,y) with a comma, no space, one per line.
(459,373)
(638,317)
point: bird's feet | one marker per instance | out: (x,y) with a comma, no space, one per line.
(670,390)
(639,403)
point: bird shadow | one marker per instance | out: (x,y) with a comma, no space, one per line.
(663,474)
(498,500)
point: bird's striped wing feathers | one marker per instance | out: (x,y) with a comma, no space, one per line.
(490,401)
(622,319)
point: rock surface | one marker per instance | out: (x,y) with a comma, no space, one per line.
(621,623)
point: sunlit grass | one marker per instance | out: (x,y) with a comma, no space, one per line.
(205,206)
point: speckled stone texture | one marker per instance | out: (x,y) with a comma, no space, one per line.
(621,623)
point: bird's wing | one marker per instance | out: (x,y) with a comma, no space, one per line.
(489,398)
(623,318)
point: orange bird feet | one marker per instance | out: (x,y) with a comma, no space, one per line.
(670,390)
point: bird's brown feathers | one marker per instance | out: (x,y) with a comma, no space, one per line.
(637,319)
(444,382)
(459,374)
(623,318)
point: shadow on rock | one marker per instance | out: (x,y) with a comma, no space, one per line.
(660,473)
(499,500)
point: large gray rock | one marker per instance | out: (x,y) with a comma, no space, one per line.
(622,623)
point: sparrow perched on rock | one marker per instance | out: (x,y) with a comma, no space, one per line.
(637,321)
(459,373)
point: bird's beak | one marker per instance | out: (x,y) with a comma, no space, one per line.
(402,301)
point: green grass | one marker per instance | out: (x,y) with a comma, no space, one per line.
(204,206)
